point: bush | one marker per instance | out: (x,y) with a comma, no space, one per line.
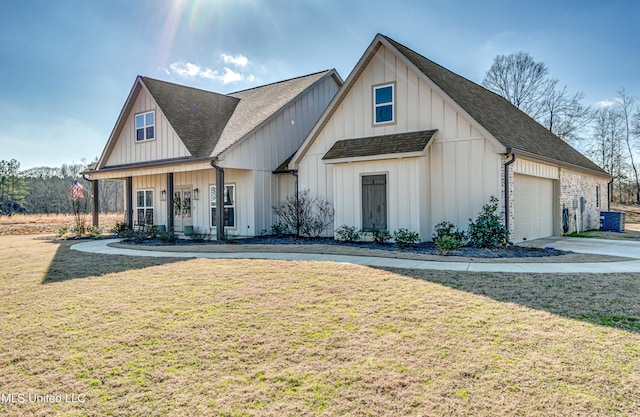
(348,233)
(135,236)
(120,229)
(405,238)
(305,215)
(200,236)
(445,228)
(280,229)
(378,235)
(94,232)
(488,230)
(167,238)
(447,244)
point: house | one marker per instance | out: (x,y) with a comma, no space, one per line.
(406,143)
(184,152)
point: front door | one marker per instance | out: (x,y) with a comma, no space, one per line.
(374,202)
(182,208)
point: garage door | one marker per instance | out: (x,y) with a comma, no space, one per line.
(533,207)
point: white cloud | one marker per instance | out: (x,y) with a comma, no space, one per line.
(231,76)
(190,70)
(608,103)
(237,61)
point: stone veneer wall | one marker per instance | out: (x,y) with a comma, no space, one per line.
(574,185)
(571,185)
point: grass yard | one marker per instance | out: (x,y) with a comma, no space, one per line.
(28,224)
(152,337)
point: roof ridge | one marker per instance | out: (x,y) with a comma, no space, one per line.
(144,77)
(282,81)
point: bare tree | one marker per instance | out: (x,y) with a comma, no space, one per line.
(527,85)
(627,104)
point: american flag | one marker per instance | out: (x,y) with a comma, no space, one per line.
(76,189)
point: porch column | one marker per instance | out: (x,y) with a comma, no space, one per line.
(170,221)
(129,208)
(96,202)
(219,201)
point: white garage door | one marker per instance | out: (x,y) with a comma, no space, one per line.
(533,207)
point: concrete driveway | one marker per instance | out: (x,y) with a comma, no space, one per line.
(623,248)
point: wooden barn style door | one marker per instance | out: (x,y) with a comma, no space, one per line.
(374,202)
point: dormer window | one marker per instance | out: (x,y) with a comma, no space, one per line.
(145,126)
(383,101)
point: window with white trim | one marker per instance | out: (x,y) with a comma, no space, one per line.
(145,126)
(383,102)
(144,207)
(229,205)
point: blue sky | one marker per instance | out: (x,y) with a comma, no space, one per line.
(67,66)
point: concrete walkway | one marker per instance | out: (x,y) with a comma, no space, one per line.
(595,246)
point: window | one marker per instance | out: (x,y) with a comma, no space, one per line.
(597,196)
(144,207)
(229,206)
(383,97)
(145,126)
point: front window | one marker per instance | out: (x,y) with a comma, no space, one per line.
(145,126)
(144,207)
(383,100)
(229,206)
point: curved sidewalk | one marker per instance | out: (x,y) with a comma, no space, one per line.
(101,246)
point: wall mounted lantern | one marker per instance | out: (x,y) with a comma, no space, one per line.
(163,195)
(196,194)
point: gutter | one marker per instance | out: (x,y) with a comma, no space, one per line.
(506,187)
(609,192)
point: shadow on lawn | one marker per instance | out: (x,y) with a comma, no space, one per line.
(70,264)
(604,299)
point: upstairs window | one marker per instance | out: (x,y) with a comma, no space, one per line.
(383,101)
(145,126)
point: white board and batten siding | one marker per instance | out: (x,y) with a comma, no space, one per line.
(270,145)
(201,208)
(460,170)
(166,145)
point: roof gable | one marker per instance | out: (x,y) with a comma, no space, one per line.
(505,122)
(198,116)
(258,105)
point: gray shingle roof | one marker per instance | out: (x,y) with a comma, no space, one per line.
(209,123)
(513,128)
(258,104)
(198,116)
(380,145)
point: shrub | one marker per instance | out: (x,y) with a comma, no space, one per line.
(94,232)
(280,229)
(405,238)
(446,228)
(378,235)
(200,236)
(135,236)
(447,244)
(348,233)
(167,237)
(120,229)
(488,230)
(305,215)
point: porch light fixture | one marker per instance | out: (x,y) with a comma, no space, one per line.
(196,194)
(163,195)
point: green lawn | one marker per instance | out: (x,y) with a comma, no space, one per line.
(144,336)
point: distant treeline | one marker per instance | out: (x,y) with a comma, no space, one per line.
(46,190)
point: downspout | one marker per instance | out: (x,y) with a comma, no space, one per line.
(294,172)
(506,187)
(609,186)
(219,201)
